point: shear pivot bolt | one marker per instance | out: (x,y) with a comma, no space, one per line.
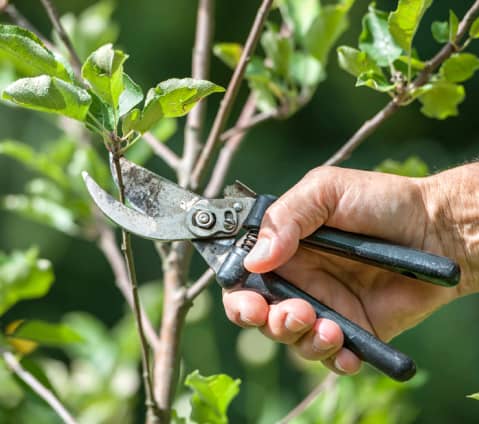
(238,207)
(204,219)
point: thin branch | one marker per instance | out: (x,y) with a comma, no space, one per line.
(153,411)
(30,380)
(231,93)
(393,106)
(57,25)
(200,284)
(326,384)
(162,151)
(200,70)
(228,151)
(243,127)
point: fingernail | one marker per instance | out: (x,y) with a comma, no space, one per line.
(260,251)
(321,343)
(246,313)
(338,366)
(294,324)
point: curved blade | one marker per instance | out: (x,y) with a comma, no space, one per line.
(163,228)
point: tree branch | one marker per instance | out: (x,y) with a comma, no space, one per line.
(162,150)
(200,284)
(57,25)
(30,380)
(200,70)
(231,93)
(326,384)
(393,106)
(229,149)
(247,125)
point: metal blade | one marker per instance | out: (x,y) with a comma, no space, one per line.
(155,228)
(214,251)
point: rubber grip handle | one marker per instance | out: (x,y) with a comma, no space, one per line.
(404,260)
(365,345)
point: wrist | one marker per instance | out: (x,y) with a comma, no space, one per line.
(452,203)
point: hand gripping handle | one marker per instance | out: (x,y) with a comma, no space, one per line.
(365,345)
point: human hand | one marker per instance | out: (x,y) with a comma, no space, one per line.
(406,211)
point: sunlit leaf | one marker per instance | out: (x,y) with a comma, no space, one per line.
(229,53)
(100,114)
(306,70)
(416,64)
(356,62)
(279,50)
(375,81)
(453,26)
(211,397)
(460,67)
(23,347)
(130,97)
(474,30)
(405,20)
(411,167)
(474,396)
(299,15)
(46,334)
(326,29)
(49,94)
(375,38)
(24,49)
(23,276)
(440,99)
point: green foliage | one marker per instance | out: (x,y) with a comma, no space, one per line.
(23,276)
(440,100)
(211,397)
(404,22)
(299,15)
(474,30)
(50,94)
(444,32)
(45,333)
(460,67)
(411,167)
(474,396)
(229,53)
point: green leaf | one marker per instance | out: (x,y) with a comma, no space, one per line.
(165,129)
(356,62)
(229,53)
(50,94)
(453,26)
(34,160)
(299,15)
(375,38)
(257,71)
(211,396)
(411,167)
(474,30)
(440,99)
(326,29)
(474,396)
(440,31)
(416,64)
(375,81)
(265,100)
(405,20)
(306,70)
(23,276)
(100,114)
(41,210)
(460,67)
(169,99)
(46,334)
(278,49)
(104,71)
(28,53)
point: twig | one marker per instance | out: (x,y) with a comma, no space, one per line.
(200,70)
(228,151)
(153,412)
(162,151)
(57,25)
(30,380)
(242,127)
(393,106)
(200,284)
(326,384)
(231,93)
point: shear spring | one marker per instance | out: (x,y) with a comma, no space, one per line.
(250,240)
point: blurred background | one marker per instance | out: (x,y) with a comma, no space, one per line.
(158,36)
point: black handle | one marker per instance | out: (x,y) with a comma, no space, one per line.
(366,346)
(404,260)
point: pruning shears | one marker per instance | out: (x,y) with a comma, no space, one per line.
(161,210)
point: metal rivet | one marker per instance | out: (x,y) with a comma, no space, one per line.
(204,219)
(238,207)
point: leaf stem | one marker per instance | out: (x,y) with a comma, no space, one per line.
(29,379)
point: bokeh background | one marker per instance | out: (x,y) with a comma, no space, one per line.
(158,35)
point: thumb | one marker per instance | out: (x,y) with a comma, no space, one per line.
(295,215)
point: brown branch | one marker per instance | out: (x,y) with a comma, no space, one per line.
(200,284)
(153,412)
(228,151)
(393,106)
(162,150)
(231,93)
(247,125)
(57,25)
(31,381)
(200,70)
(326,384)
